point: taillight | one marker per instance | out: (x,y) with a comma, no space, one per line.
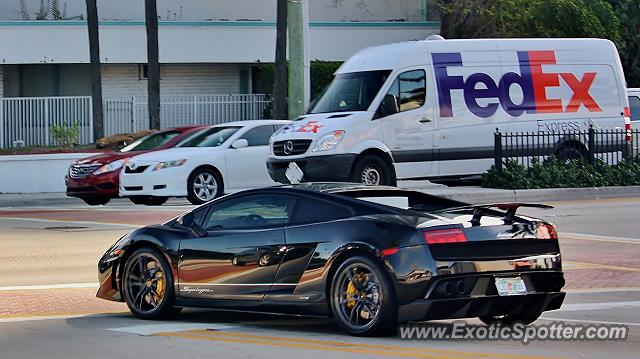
(546,231)
(389,251)
(627,123)
(440,236)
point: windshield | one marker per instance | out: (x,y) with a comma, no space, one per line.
(212,137)
(350,92)
(151,142)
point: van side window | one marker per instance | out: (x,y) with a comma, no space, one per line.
(409,89)
(634,104)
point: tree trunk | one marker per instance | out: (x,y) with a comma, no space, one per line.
(153,78)
(280,78)
(96,74)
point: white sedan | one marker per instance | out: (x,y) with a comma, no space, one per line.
(222,158)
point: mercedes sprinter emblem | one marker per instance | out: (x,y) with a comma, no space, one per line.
(288,148)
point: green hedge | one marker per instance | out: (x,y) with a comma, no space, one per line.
(321,76)
(554,173)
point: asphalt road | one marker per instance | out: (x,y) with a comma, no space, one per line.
(48,307)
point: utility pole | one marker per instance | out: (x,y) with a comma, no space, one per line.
(280,78)
(153,76)
(299,78)
(96,71)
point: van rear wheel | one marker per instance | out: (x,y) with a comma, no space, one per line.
(373,170)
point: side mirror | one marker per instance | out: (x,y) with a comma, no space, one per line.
(188,221)
(241,143)
(389,106)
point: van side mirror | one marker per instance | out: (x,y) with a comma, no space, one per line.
(188,221)
(240,143)
(389,106)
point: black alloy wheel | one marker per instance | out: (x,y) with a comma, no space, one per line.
(147,285)
(362,298)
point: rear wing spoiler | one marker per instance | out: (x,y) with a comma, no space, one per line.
(480,209)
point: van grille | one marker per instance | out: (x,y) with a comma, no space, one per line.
(291,147)
(81,171)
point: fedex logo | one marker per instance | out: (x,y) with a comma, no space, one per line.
(532,80)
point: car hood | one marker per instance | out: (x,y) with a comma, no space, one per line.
(176,153)
(315,126)
(107,157)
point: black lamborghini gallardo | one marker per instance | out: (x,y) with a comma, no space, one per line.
(369,256)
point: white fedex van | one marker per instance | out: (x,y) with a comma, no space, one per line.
(428,109)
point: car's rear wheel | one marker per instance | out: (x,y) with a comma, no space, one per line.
(149,200)
(148,285)
(204,185)
(362,298)
(372,170)
(96,201)
(526,317)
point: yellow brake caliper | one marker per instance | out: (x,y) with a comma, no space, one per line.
(160,286)
(351,290)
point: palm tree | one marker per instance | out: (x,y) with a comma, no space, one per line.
(280,78)
(153,78)
(96,73)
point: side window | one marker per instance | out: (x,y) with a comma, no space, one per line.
(250,212)
(634,104)
(199,214)
(409,90)
(310,210)
(413,89)
(259,136)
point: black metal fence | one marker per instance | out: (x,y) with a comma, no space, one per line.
(608,145)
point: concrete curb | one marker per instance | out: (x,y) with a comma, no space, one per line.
(487,195)
(463,194)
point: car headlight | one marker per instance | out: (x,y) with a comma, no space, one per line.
(167,164)
(110,167)
(329,141)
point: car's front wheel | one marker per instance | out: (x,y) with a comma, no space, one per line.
(363,299)
(147,285)
(204,185)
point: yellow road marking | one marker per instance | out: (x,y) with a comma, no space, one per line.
(360,348)
(587,265)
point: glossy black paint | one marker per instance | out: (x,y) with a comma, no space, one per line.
(288,268)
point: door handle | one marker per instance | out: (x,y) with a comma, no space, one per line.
(425,120)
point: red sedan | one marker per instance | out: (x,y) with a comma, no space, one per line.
(96,179)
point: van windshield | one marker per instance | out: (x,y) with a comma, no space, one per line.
(350,92)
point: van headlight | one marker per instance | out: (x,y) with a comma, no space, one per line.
(168,164)
(110,167)
(329,142)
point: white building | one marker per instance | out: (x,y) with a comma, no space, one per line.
(212,47)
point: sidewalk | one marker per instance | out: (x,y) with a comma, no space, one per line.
(470,194)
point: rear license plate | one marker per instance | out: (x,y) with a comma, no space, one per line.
(294,174)
(511,286)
